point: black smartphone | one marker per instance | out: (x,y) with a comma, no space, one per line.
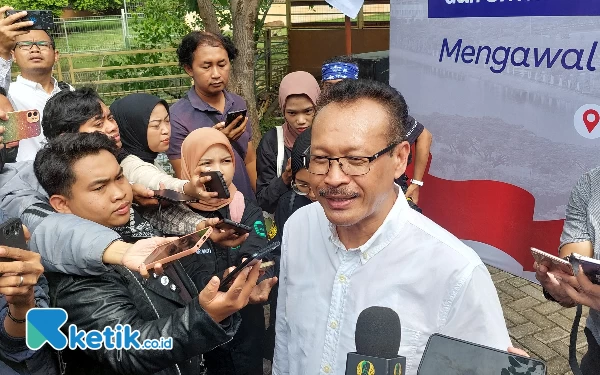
(239,228)
(173,196)
(233,115)
(217,183)
(12,235)
(42,19)
(451,356)
(251,260)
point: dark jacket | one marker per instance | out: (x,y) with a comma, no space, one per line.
(243,355)
(123,297)
(269,187)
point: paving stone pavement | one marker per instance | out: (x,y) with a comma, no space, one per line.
(536,325)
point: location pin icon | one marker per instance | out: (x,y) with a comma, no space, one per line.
(595,119)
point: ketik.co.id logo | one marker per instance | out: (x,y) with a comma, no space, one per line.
(43,326)
(586,121)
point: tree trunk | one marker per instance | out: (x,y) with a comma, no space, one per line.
(206,11)
(243,14)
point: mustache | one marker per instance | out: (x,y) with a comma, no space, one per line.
(338,193)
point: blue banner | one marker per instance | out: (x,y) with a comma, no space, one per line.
(512,8)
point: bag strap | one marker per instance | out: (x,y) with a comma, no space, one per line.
(280,150)
(573,343)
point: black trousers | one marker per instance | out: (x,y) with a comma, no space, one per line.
(590,363)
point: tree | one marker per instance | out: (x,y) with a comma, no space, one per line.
(57,5)
(244,14)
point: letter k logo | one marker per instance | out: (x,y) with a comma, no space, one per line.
(43,325)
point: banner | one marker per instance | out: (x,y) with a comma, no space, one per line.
(513,103)
(350,8)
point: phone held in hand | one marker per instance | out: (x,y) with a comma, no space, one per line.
(231,116)
(216,184)
(12,235)
(173,196)
(42,19)
(542,257)
(239,228)
(21,125)
(179,248)
(250,261)
(590,266)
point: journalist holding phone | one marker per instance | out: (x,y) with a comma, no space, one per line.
(580,235)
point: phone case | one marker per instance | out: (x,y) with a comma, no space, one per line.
(238,227)
(541,256)
(171,247)
(173,196)
(591,267)
(252,259)
(217,183)
(12,235)
(42,19)
(21,125)
(231,116)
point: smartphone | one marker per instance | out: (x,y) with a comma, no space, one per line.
(591,267)
(21,125)
(231,116)
(12,235)
(240,229)
(450,356)
(251,260)
(217,183)
(560,263)
(179,248)
(42,19)
(173,196)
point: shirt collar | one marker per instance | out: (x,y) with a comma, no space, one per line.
(391,227)
(35,85)
(203,106)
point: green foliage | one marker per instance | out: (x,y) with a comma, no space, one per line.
(96,5)
(54,5)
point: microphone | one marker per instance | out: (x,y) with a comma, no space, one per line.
(377,340)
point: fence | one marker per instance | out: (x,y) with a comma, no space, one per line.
(318,14)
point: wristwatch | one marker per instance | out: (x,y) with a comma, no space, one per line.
(416,182)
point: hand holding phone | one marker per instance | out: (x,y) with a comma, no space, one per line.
(21,125)
(250,261)
(216,184)
(42,19)
(239,228)
(173,196)
(590,266)
(552,261)
(231,116)
(179,248)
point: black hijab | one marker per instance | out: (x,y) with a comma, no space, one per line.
(132,114)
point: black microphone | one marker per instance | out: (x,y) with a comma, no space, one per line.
(377,340)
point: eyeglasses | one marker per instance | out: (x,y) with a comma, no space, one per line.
(300,188)
(350,165)
(28,45)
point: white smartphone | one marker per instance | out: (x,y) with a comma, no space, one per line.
(542,256)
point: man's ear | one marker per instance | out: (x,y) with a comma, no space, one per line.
(188,69)
(60,203)
(400,157)
(56,56)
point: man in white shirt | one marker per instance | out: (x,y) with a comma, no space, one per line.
(361,245)
(35,54)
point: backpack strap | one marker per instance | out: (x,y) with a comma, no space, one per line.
(280,150)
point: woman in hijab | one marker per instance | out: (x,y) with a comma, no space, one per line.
(145,129)
(208,149)
(298,93)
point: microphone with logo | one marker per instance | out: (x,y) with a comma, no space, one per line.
(377,339)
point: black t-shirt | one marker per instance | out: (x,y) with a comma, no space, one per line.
(137,229)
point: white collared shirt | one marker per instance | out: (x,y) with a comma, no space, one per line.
(25,94)
(429,277)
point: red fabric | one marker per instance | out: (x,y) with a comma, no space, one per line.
(491,212)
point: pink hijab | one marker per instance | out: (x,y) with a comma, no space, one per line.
(194,146)
(296,83)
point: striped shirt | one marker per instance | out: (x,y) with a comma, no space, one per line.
(582,223)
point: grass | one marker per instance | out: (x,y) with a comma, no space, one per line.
(91,41)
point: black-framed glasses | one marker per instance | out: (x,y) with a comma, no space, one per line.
(28,45)
(350,165)
(301,188)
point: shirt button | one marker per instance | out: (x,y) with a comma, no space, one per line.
(342,279)
(327,369)
(333,325)
(365,255)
